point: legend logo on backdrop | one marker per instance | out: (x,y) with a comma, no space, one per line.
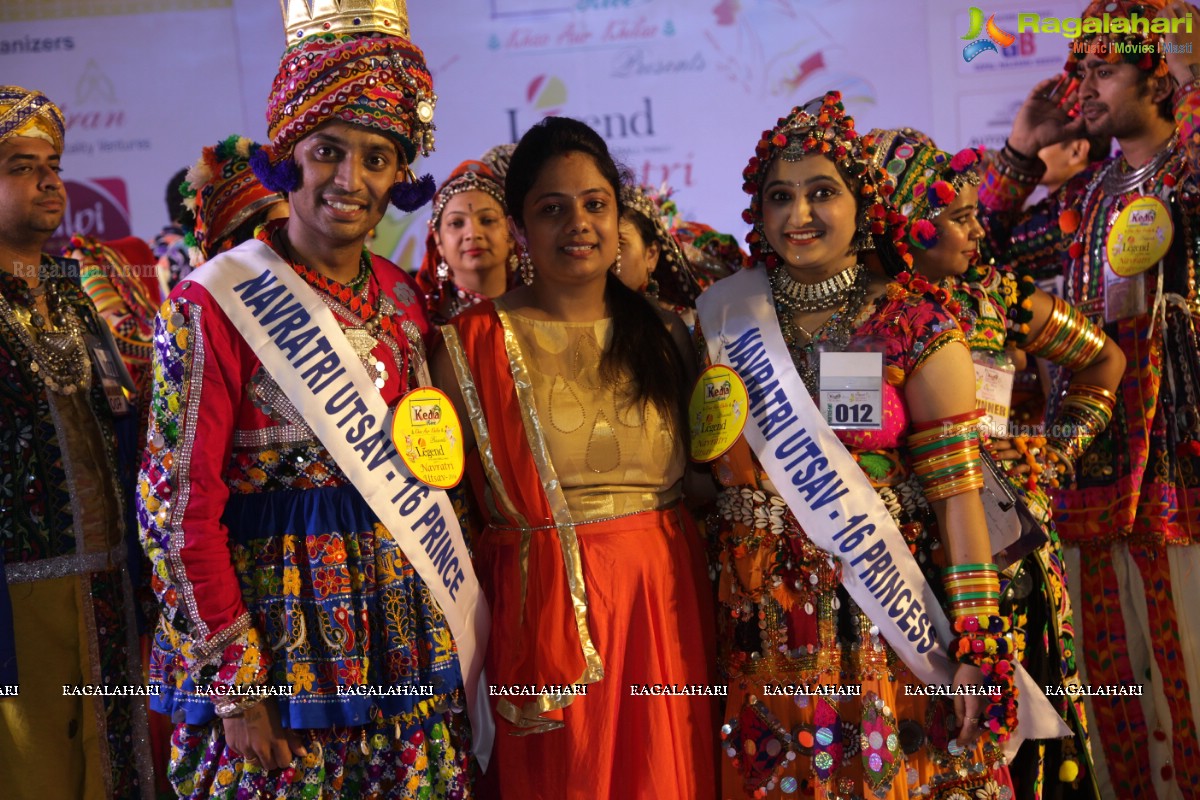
(628,125)
(546,96)
(995,36)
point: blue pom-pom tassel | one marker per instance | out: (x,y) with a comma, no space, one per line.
(411,196)
(283,177)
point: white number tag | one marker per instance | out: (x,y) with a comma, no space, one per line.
(851,394)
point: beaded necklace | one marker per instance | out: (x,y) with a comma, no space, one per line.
(356,295)
(1089,246)
(361,299)
(835,331)
(58,358)
(460,299)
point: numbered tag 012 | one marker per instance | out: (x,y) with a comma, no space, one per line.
(851,395)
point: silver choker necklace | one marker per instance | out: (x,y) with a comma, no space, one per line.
(795,296)
(1119,178)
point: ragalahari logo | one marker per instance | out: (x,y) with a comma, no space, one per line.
(995,36)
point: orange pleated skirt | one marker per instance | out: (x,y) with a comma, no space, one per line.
(650,615)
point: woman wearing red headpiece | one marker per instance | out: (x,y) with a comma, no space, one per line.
(860,626)
(998,313)
(470,254)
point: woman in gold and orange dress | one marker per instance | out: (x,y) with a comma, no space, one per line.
(595,575)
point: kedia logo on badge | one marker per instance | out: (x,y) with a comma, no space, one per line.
(995,36)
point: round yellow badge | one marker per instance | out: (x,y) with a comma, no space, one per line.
(426,431)
(716,413)
(1140,237)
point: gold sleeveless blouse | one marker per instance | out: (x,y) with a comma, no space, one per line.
(612,455)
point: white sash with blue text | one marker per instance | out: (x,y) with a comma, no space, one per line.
(832,500)
(302,346)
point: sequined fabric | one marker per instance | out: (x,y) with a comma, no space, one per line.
(784,621)
(272,571)
(61,515)
(371,763)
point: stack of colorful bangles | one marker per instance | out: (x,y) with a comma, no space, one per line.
(1085,413)
(945,455)
(1067,339)
(973,597)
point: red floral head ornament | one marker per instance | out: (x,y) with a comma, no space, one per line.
(821,127)
(923,180)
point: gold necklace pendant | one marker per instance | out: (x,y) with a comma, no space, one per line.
(362,342)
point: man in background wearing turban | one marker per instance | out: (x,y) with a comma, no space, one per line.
(302,650)
(1125,233)
(226,199)
(68,642)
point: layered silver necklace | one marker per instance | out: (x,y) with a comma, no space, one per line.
(795,296)
(846,292)
(1119,178)
(57,358)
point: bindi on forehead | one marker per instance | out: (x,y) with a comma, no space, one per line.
(469,208)
(471,201)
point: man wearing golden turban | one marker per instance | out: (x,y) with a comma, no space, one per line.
(68,648)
